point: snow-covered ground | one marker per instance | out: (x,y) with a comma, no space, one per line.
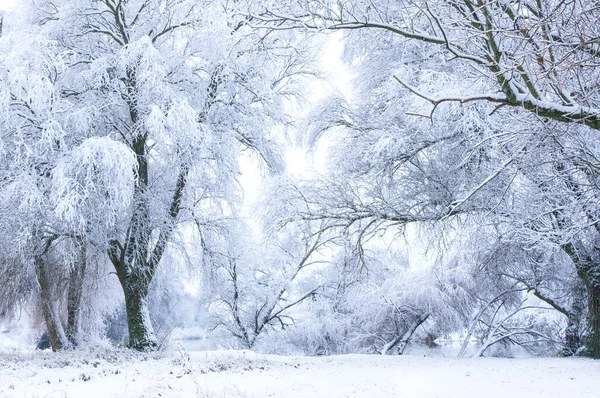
(246,374)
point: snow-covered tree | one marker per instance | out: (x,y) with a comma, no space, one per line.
(142,107)
(61,189)
(258,281)
(469,66)
(536,55)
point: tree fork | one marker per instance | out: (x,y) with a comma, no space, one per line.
(56,334)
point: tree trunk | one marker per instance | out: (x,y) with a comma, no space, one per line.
(574,318)
(402,339)
(135,283)
(472,326)
(592,339)
(589,272)
(56,333)
(572,336)
(134,260)
(75,292)
(141,332)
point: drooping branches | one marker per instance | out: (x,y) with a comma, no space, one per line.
(537,55)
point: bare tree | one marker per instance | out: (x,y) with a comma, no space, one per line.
(532,60)
(260,284)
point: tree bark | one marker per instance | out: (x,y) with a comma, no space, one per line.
(56,333)
(574,318)
(588,270)
(592,338)
(141,332)
(74,295)
(135,284)
(402,339)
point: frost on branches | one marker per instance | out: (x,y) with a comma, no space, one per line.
(470,127)
(478,116)
(126,119)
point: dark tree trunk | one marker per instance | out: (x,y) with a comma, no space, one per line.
(574,320)
(56,333)
(592,338)
(141,332)
(589,273)
(76,276)
(572,336)
(135,280)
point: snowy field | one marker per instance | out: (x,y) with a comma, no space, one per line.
(246,374)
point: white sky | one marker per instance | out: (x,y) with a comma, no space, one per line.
(7,4)
(300,163)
